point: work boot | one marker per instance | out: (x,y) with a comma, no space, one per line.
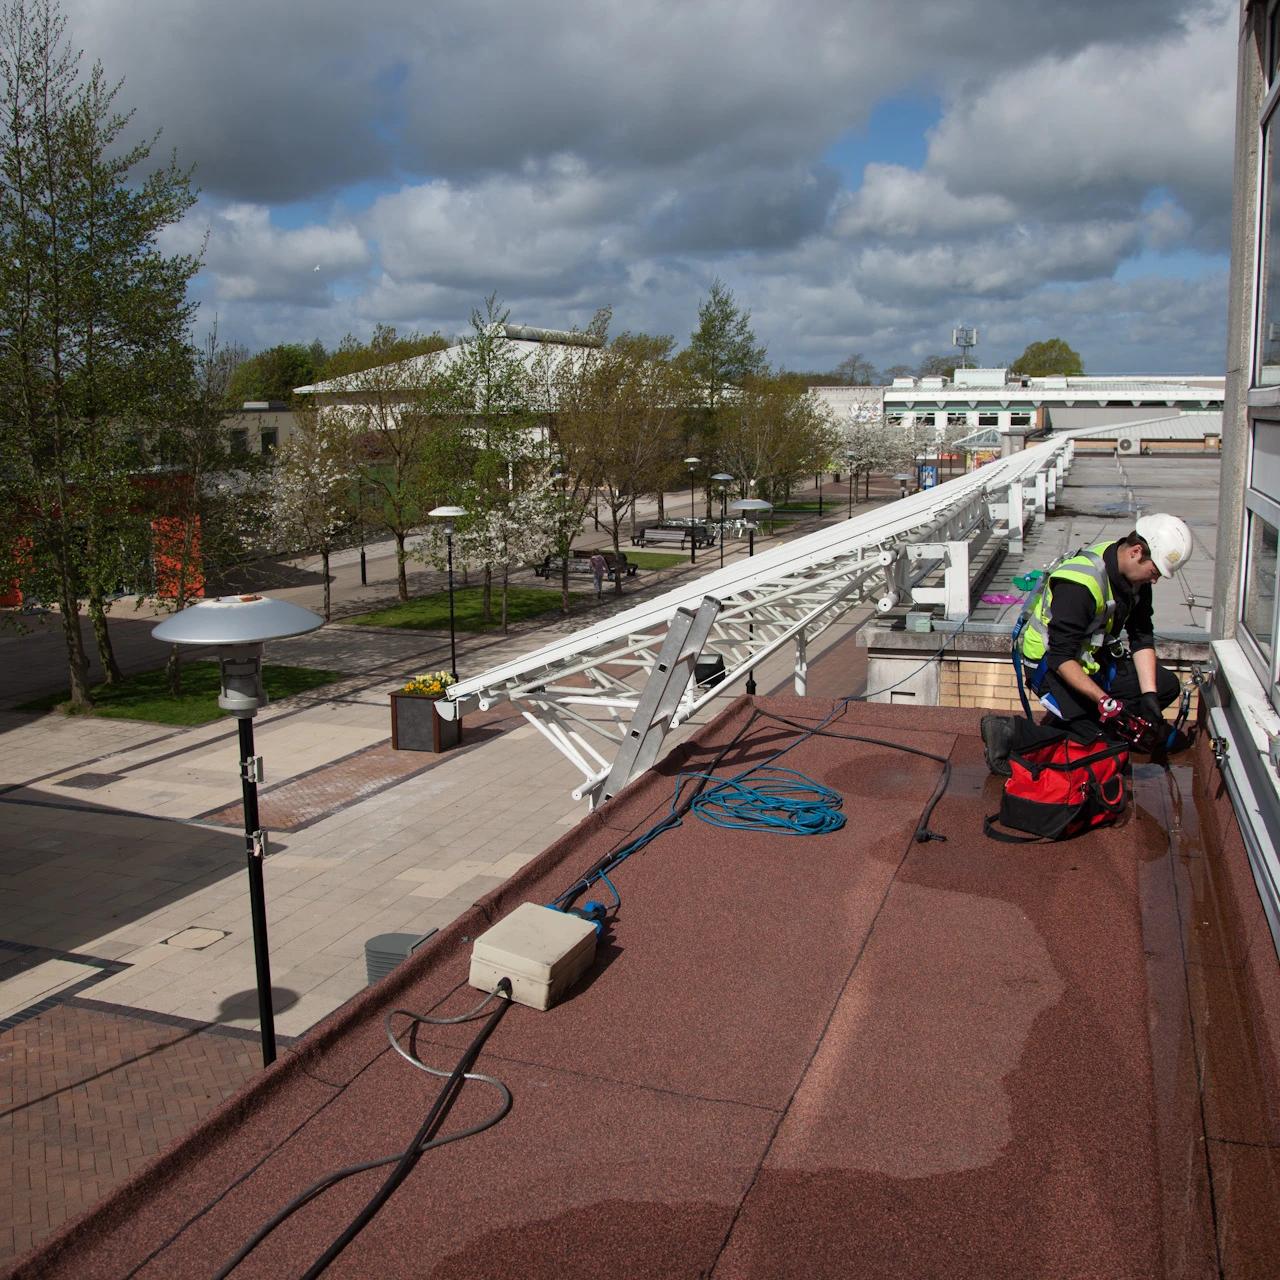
(997,742)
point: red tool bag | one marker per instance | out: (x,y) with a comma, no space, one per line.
(1060,788)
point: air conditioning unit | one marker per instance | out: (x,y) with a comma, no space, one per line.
(1129,444)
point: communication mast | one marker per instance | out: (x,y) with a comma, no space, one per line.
(966,338)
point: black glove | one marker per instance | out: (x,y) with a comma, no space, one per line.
(1152,711)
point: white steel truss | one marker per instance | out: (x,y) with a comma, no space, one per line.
(583,692)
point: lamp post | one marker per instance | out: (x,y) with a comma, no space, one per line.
(238,626)
(722,478)
(849,459)
(449,515)
(692,464)
(904,480)
(364,572)
(761,506)
(818,481)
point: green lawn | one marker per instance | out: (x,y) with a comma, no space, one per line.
(145,696)
(431,613)
(654,559)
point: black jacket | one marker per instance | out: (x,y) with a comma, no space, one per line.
(1073,612)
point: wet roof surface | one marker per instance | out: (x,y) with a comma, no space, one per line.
(821,1056)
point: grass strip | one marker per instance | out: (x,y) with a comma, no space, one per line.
(431,613)
(654,559)
(145,696)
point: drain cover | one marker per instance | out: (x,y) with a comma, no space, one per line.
(90,781)
(194,939)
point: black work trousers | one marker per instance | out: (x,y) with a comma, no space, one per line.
(1119,677)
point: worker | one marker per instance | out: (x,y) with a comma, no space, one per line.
(1071,653)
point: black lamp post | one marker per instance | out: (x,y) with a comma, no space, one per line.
(364,572)
(752,506)
(848,457)
(722,478)
(692,464)
(449,515)
(818,481)
(238,626)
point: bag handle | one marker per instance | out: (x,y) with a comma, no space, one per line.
(1100,790)
(988,829)
(1034,768)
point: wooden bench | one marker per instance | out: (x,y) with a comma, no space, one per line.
(661,536)
(580,564)
(675,535)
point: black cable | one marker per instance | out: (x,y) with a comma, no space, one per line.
(404,1160)
(435,1117)
(922,833)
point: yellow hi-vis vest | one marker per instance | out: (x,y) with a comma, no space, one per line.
(1088,568)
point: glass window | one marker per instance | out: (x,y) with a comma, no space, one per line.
(268,440)
(1260,584)
(239,440)
(1269,302)
(957,419)
(988,419)
(1019,419)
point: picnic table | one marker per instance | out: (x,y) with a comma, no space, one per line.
(671,534)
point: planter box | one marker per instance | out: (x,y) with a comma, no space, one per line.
(416,725)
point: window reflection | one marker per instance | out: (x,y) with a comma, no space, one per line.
(1269,337)
(1260,585)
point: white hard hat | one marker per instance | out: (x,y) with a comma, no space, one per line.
(1169,540)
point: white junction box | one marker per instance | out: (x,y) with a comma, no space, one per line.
(543,951)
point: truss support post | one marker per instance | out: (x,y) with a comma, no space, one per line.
(660,699)
(957,581)
(1041,493)
(1051,486)
(1015,518)
(802,664)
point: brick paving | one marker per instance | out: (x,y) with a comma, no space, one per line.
(88,1097)
(293,805)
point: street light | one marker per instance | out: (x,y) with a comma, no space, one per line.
(722,478)
(238,626)
(849,458)
(449,515)
(904,480)
(692,463)
(760,505)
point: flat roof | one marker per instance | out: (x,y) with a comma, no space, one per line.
(848,1053)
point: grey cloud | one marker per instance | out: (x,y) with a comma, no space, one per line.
(274,103)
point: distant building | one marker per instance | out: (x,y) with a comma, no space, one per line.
(993,398)
(262,426)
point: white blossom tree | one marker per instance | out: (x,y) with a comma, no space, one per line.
(314,490)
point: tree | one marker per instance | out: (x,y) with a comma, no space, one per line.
(559,379)
(1045,359)
(856,371)
(722,350)
(624,425)
(210,508)
(93,320)
(868,447)
(506,448)
(937,367)
(897,371)
(403,417)
(273,374)
(774,432)
(314,487)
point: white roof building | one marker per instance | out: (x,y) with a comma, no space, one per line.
(979,398)
(523,341)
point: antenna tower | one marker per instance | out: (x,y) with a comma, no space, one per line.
(966,338)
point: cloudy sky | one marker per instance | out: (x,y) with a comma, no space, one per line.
(864,174)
